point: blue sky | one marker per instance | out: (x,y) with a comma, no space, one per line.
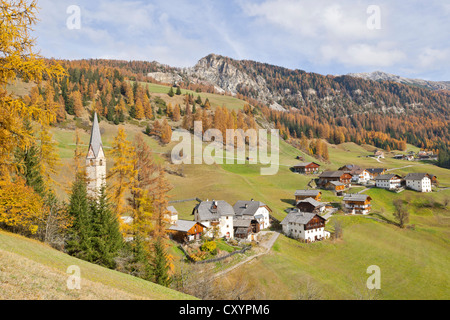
(323,36)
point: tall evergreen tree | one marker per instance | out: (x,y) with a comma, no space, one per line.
(79,235)
(106,236)
(159,263)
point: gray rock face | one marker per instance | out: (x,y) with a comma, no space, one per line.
(218,71)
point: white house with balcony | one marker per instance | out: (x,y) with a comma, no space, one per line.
(306,226)
(357,203)
(217,216)
(388,181)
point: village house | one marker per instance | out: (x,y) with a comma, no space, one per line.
(336,186)
(217,216)
(419,182)
(360,176)
(185,231)
(305,194)
(306,226)
(388,181)
(374,172)
(255,211)
(311,205)
(329,176)
(378,154)
(172,215)
(357,203)
(245,229)
(307,168)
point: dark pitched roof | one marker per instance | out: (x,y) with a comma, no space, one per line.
(350,167)
(375,170)
(247,208)
(416,176)
(296,216)
(307,193)
(356,197)
(304,164)
(313,202)
(332,174)
(96,139)
(387,176)
(211,210)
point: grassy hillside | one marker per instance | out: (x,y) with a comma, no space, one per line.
(414,262)
(32,270)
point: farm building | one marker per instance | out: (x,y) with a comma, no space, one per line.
(216,215)
(310,205)
(307,168)
(329,176)
(245,229)
(388,181)
(306,226)
(419,182)
(357,203)
(185,231)
(374,172)
(305,194)
(337,186)
(254,211)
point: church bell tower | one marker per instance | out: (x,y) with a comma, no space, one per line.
(95,161)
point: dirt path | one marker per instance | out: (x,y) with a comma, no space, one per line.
(267,245)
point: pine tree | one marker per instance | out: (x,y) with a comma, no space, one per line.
(171,94)
(178,91)
(106,236)
(160,263)
(79,235)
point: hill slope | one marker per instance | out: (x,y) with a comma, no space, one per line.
(32,270)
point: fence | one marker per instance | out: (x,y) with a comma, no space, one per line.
(214,259)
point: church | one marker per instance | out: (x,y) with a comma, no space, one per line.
(95,161)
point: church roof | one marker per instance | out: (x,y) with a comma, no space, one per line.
(96,139)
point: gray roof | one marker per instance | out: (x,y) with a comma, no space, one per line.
(183,225)
(375,170)
(296,216)
(304,164)
(307,193)
(386,176)
(313,202)
(247,208)
(207,212)
(355,197)
(336,183)
(96,139)
(241,223)
(416,176)
(331,174)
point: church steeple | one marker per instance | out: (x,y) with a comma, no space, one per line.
(95,161)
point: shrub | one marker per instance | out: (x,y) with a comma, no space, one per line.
(209,246)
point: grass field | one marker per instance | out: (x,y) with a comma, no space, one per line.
(32,270)
(414,262)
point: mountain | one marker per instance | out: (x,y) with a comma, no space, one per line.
(281,88)
(383,76)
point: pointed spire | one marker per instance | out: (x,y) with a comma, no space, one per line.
(96,139)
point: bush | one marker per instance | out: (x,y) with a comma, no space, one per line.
(209,246)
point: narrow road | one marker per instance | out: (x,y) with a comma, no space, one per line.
(267,245)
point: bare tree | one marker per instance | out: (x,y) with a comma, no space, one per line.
(338,230)
(401,214)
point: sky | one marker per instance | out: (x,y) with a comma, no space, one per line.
(408,38)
